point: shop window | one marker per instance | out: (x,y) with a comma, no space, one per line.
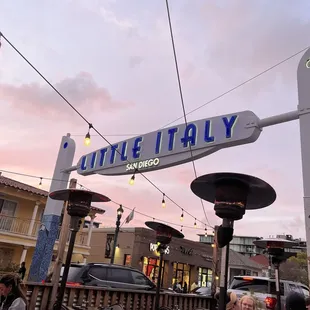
(181,274)
(127,260)
(151,268)
(204,277)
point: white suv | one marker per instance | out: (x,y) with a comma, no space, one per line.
(264,290)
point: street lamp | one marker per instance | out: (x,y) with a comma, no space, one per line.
(276,250)
(78,207)
(164,234)
(232,194)
(120,212)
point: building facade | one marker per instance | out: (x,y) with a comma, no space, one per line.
(185,261)
(21,209)
(240,244)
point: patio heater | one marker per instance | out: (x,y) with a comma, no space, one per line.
(276,250)
(164,234)
(232,194)
(78,207)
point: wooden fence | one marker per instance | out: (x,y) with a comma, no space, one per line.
(38,296)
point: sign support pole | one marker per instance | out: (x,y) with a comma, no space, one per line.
(303,80)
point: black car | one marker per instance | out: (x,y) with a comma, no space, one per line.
(108,275)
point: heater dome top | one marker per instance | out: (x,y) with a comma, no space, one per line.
(66,194)
(259,193)
(164,229)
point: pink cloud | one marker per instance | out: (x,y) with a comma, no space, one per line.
(82,91)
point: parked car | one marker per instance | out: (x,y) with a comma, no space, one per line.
(264,290)
(108,275)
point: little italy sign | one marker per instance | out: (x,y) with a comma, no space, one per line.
(171,146)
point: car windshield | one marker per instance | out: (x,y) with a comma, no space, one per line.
(73,272)
(255,285)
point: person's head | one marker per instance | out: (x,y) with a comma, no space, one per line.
(247,302)
(308,303)
(10,284)
(23,264)
(295,301)
(231,300)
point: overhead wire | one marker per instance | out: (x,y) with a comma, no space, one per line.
(90,124)
(88,189)
(238,86)
(182,100)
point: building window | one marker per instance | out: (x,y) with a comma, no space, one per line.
(109,246)
(151,268)
(127,260)
(7,212)
(204,277)
(181,274)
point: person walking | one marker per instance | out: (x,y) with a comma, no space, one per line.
(12,295)
(22,270)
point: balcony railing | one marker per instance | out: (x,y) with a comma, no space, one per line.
(20,226)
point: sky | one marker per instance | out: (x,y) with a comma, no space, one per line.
(113,61)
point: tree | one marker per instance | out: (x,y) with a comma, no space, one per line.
(295,269)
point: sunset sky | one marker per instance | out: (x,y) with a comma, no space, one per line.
(113,60)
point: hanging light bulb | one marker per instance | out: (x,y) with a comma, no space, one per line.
(181,228)
(132,180)
(182,216)
(213,245)
(163,203)
(40,184)
(206,232)
(213,234)
(87,136)
(217,278)
(195,224)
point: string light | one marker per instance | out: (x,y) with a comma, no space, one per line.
(181,228)
(87,136)
(213,245)
(182,216)
(163,203)
(206,232)
(118,204)
(195,224)
(132,179)
(213,234)
(40,184)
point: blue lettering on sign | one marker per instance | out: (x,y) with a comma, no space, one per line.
(137,148)
(190,135)
(158,142)
(83,163)
(229,124)
(124,151)
(113,153)
(102,156)
(93,160)
(208,135)
(172,132)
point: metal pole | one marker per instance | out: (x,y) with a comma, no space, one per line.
(118,222)
(75,223)
(303,80)
(64,233)
(215,263)
(278,291)
(224,269)
(157,296)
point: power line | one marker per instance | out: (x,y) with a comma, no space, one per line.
(90,125)
(86,188)
(237,86)
(182,98)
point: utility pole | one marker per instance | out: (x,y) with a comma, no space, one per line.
(63,238)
